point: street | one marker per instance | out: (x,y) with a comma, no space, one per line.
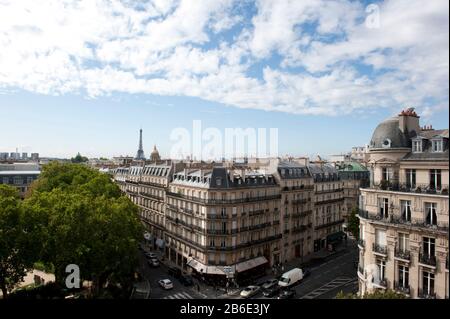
(325,281)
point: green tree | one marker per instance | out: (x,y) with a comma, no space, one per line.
(388,294)
(353,223)
(79,159)
(85,220)
(16,253)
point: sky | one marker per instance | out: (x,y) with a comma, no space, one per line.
(85,76)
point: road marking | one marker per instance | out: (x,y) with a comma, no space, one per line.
(327,287)
(180,295)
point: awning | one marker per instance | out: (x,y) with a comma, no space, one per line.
(252,263)
(336,236)
(203,269)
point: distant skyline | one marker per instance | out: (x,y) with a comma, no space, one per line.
(86,76)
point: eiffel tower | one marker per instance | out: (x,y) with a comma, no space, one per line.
(140,152)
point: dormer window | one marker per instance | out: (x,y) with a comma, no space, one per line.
(417,146)
(437,145)
(218,181)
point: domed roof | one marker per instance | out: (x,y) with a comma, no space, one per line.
(155,151)
(388,135)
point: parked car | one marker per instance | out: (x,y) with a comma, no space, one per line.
(249,291)
(287,294)
(150,255)
(175,272)
(291,277)
(272,291)
(165,284)
(153,262)
(270,283)
(186,280)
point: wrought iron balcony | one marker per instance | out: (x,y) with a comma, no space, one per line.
(336,222)
(301,214)
(396,220)
(412,188)
(426,295)
(402,253)
(399,287)
(299,229)
(256,212)
(427,259)
(150,195)
(380,249)
(217,216)
(300,201)
(224,201)
(218,232)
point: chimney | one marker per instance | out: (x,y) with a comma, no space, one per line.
(408,121)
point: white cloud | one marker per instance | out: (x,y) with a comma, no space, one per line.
(181,47)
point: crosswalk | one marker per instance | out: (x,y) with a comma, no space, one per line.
(180,295)
(328,287)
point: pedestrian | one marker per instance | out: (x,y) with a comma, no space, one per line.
(198,287)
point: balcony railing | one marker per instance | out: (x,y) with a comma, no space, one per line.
(145,194)
(259,226)
(380,249)
(224,201)
(397,220)
(296,188)
(301,214)
(426,295)
(412,188)
(399,287)
(325,191)
(217,216)
(218,232)
(336,222)
(299,229)
(300,201)
(402,253)
(427,259)
(329,201)
(256,212)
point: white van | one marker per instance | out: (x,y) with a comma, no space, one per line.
(291,277)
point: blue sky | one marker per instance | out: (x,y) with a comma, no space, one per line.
(88,80)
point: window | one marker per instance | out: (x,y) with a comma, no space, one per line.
(381,264)
(403,242)
(428,246)
(428,282)
(386,174)
(384,207)
(417,146)
(410,178)
(435,179)
(436,145)
(405,206)
(403,276)
(380,238)
(430,211)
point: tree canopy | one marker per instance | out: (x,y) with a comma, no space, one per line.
(79,159)
(353,223)
(16,253)
(82,218)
